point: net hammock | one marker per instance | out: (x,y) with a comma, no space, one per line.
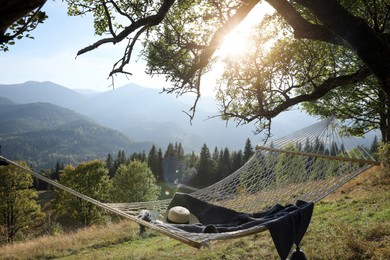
(306,165)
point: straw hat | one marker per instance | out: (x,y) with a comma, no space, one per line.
(181,215)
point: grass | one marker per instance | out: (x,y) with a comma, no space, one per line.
(353,223)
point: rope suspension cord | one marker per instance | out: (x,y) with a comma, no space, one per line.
(337,158)
(306,165)
(137,220)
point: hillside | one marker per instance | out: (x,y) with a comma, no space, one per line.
(5,101)
(353,223)
(145,114)
(34,116)
(142,115)
(47,92)
(43,134)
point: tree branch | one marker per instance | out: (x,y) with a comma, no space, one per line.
(11,11)
(369,45)
(218,36)
(320,91)
(147,21)
(302,27)
(108,16)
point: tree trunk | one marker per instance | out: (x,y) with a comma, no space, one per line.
(384,116)
(371,46)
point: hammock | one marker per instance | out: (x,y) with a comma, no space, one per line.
(306,165)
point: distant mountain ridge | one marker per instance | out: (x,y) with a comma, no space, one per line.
(47,92)
(145,115)
(51,122)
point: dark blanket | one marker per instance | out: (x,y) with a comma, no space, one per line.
(287,224)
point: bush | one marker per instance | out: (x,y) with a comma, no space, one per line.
(134,182)
(384,156)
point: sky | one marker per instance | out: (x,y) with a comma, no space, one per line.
(51,56)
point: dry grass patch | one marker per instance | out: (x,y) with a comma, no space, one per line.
(70,243)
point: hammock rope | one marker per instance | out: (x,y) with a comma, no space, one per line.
(307,165)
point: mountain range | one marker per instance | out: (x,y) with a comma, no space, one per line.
(130,118)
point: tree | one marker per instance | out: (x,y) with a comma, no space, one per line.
(237,160)
(215,155)
(224,165)
(173,162)
(191,161)
(138,157)
(169,164)
(179,161)
(153,162)
(19,17)
(206,169)
(134,182)
(57,171)
(89,178)
(110,165)
(374,148)
(181,39)
(19,210)
(248,150)
(161,165)
(287,163)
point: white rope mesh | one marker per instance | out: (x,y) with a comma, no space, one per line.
(306,165)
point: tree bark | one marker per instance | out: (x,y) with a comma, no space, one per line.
(371,46)
(11,11)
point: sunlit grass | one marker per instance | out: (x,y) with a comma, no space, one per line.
(354,223)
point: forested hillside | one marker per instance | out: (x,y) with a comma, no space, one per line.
(34,116)
(42,134)
(144,114)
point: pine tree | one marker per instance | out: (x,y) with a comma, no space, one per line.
(160,165)
(248,150)
(207,169)
(224,165)
(134,157)
(143,157)
(57,170)
(153,162)
(120,159)
(237,160)
(110,166)
(179,161)
(216,154)
(191,161)
(169,164)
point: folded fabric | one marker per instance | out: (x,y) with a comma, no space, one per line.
(287,224)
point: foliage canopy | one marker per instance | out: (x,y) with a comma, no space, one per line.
(90,178)
(19,210)
(315,53)
(133,182)
(18,19)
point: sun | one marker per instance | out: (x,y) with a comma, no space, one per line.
(237,42)
(234,45)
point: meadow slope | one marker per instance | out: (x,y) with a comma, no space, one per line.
(352,223)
